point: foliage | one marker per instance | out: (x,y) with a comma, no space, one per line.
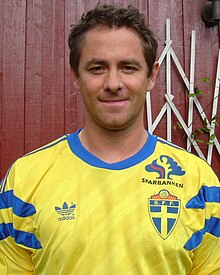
(200,134)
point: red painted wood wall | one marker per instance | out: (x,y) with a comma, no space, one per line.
(37,99)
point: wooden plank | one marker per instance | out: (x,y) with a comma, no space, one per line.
(1,80)
(70,94)
(33,97)
(159,11)
(207,45)
(13,82)
(185,127)
(53,70)
(74,117)
(37,79)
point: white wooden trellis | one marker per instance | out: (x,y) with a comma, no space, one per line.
(170,107)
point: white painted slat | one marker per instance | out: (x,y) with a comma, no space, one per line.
(179,67)
(204,117)
(169,106)
(149,112)
(168,82)
(214,108)
(160,115)
(185,127)
(191,88)
(164,53)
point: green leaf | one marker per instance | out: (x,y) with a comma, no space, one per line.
(199,130)
(206,80)
(191,95)
(212,137)
(197,91)
(206,130)
(200,141)
(177,125)
(214,118)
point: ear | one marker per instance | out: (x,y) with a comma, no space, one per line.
(75,77)
(152,78)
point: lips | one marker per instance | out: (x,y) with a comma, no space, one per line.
(114,104)
(113,100)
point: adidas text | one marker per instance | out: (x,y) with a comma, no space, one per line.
(66,218)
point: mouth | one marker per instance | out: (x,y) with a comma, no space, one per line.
(114,105)
(114,101)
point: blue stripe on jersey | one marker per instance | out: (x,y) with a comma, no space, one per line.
(78,149)
(212,226)
(3,182)
(170,144)
(19,207)
(25,238)
(47,146)
(206,194)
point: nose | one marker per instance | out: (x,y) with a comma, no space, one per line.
(113,81)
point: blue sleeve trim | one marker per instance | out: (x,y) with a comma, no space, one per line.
(19,207)
(212,226)
(206,194)
(24,238)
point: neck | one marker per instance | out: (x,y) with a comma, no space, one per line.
(113,145)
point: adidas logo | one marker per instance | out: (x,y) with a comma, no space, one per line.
(66,212)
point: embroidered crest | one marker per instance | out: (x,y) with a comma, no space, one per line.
(164,211)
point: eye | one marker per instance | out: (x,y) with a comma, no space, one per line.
(97,69)
(129,69)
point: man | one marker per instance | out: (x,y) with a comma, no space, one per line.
(110,198)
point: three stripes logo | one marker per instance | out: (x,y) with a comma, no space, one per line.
(66,212)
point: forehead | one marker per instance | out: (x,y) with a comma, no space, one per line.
(112,43)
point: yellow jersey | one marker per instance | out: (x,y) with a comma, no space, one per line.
(64,211)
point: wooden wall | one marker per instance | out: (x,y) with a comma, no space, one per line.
(37,99)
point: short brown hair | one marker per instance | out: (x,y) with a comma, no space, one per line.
(112,16)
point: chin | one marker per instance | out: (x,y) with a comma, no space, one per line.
(115,125)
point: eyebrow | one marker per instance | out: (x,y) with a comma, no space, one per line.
(95,61)
(131,62)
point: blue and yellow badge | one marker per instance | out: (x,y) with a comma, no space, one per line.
(164,210)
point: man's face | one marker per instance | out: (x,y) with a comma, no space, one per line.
(112,78)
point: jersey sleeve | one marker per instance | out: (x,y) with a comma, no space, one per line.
(17,242)
(206,258)
(205,243)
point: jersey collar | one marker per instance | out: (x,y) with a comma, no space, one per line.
(78,149)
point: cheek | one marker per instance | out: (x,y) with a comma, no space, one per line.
(89,93)
(136,82)
(93,82)
(138,88)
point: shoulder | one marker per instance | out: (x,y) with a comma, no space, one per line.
(44,153)
(194,165)
(35,163)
